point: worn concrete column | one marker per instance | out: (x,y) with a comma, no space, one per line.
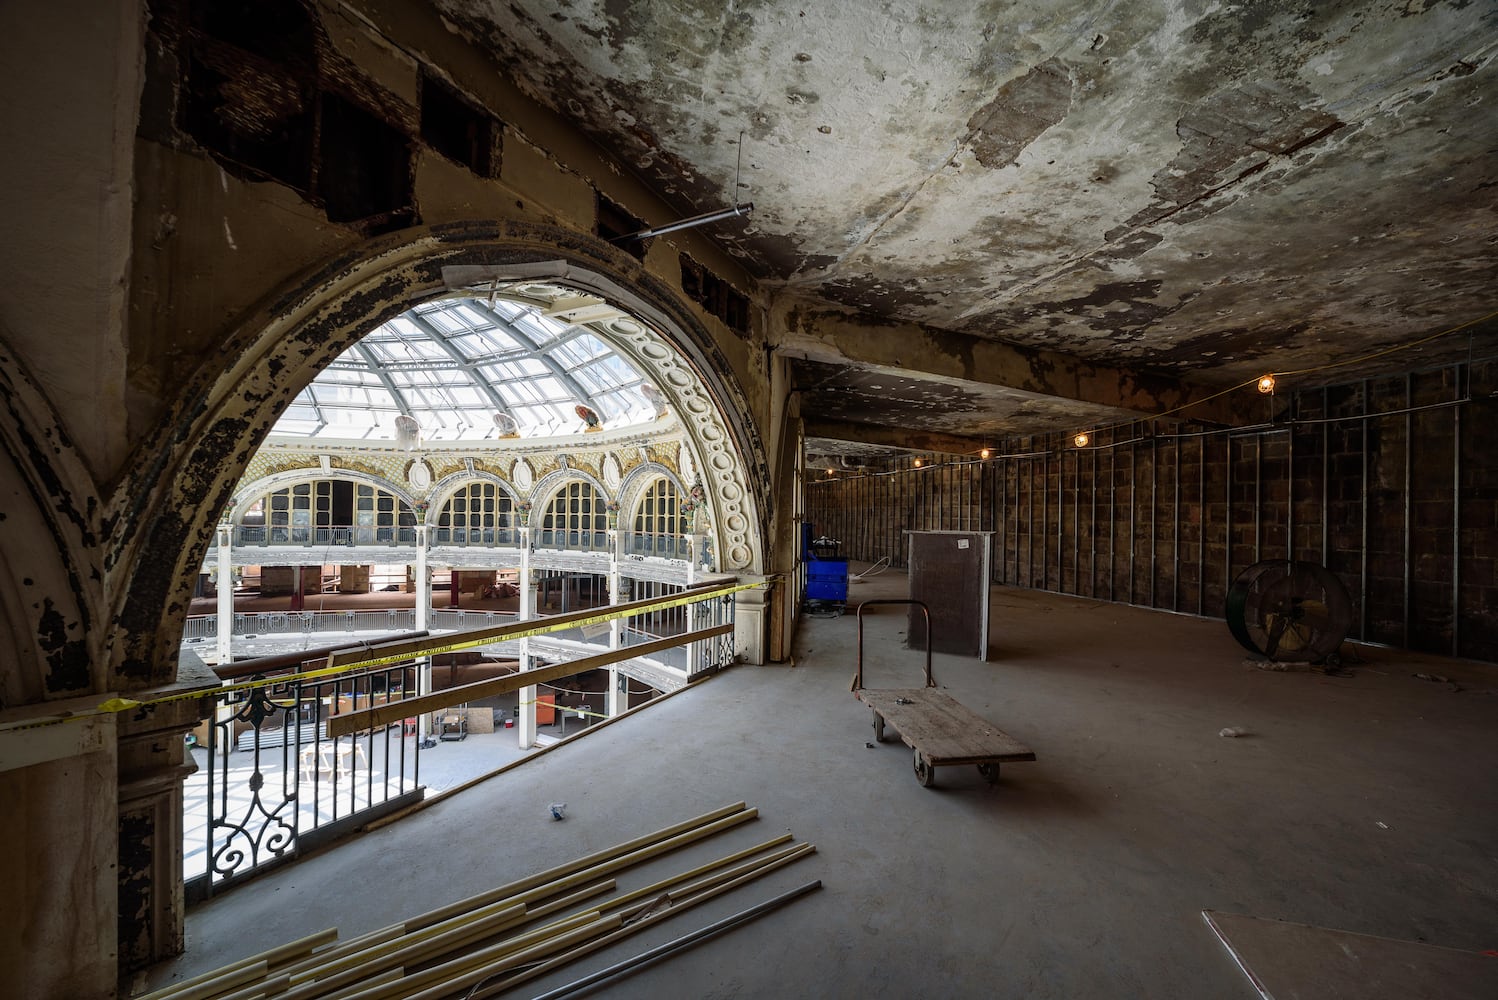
(225,629)
(153,763)
(751,615)
(57,852)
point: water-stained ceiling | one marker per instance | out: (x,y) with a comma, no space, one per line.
(1199,191)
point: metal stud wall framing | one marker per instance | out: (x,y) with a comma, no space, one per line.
(1398,501)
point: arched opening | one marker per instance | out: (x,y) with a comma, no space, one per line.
(230,407)
(659,525)
(575,518)
(478,513)
(485,442)
(322,511)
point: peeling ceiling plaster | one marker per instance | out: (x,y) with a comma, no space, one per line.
(1201,189)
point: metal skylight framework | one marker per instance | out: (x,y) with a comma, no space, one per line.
(455,364)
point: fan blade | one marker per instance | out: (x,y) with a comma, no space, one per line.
(1277,625)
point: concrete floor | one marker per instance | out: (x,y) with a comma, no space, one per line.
(1363,803)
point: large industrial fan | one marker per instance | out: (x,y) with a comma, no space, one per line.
(1294,612)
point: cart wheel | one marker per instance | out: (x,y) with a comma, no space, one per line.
(878,728)
(989,771)
(924,772)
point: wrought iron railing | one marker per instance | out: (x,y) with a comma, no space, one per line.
(302,534)
(708,655)
(629,543)
(461,619)
(256,623)
(287,761)
(663,546)
(200,627)
(484,537)
(572,541)
(271,783)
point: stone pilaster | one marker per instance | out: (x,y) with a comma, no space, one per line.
(153,763)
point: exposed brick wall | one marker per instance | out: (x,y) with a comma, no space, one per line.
(1399,507)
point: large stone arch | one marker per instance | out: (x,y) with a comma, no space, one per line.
(163,512)
(49,554)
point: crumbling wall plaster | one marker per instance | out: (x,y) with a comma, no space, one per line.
(67,192)
(233,236)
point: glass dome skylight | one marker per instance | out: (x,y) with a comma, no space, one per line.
(466,369)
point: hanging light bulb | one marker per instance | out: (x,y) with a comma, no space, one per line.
(831,472)
(1266,384)
(984,454)
(1081,439)
(918,463)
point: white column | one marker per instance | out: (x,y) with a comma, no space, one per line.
(613,704)
(526,712)
(225,635)
(423,581)
(423,686)
(527,584)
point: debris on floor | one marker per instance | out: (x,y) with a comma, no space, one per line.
(480,946)
(1232,732)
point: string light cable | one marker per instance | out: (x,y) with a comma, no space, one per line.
(1258,382)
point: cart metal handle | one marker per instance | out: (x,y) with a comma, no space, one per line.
(858,676)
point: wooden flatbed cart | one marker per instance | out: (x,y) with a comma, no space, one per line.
(938,728)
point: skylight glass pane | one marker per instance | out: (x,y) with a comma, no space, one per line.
(445,361)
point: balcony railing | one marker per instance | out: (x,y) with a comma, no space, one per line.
(273,783)
(485,537)
(622,543)
(301,534)
(290,760)
(572,541)
(461,619)
(302,622)
(659,545)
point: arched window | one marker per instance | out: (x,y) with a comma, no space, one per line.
(659,523)
(478,514)
(575,519)
(326,511)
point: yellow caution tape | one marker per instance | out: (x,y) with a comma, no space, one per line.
(112,706)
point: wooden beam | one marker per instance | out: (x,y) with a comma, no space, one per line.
(817,331)
(379,716)
(898,438)
(395,652)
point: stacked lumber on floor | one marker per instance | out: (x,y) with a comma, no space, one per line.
(488,943)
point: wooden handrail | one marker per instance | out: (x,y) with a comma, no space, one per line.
(379,716)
